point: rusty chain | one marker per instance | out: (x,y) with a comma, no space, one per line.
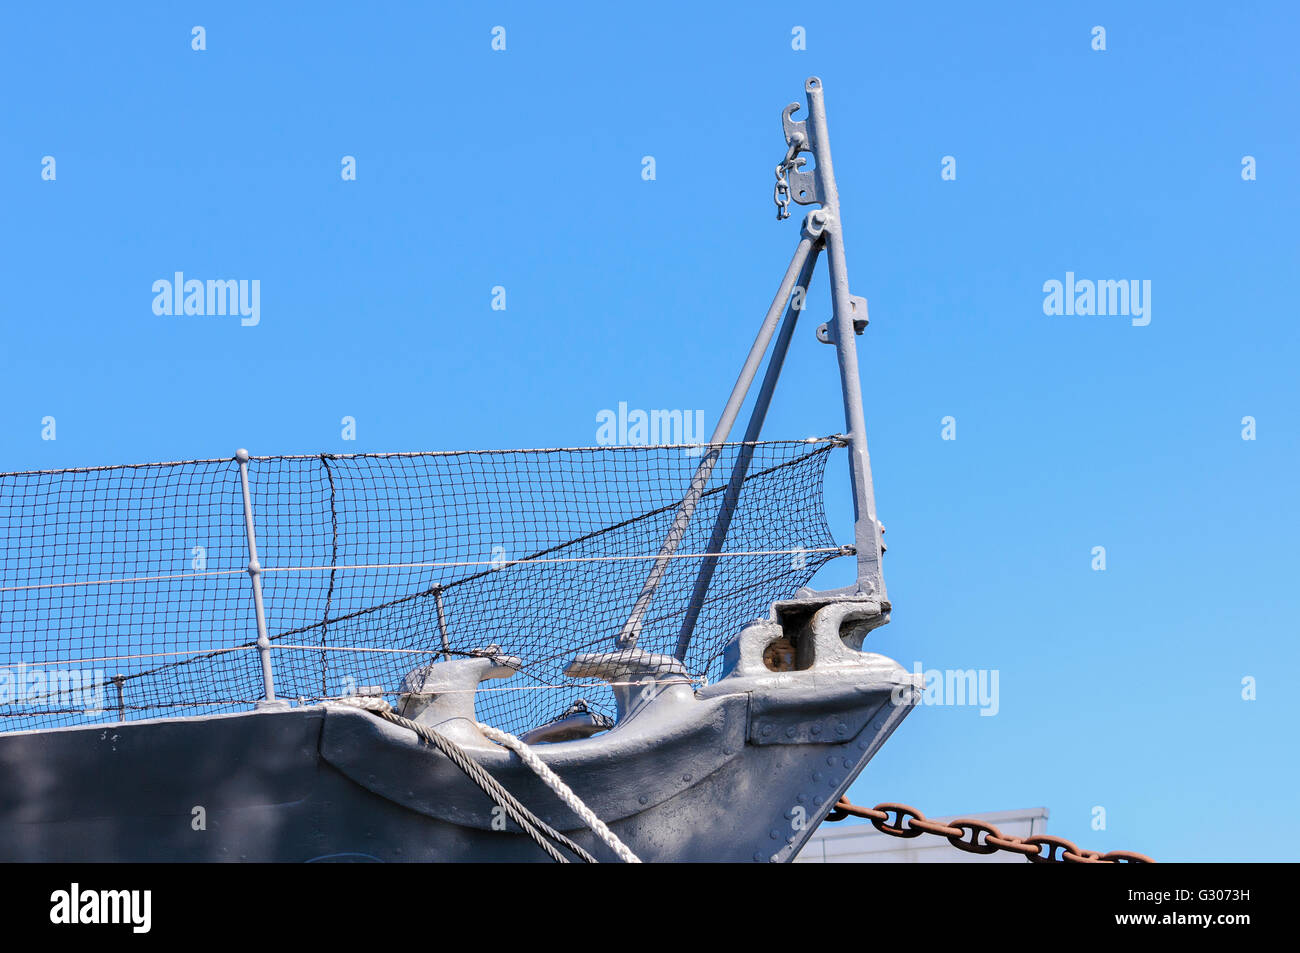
(964,834)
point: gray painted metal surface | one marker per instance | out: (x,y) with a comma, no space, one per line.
(742,769)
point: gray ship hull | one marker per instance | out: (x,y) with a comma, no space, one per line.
(742,770)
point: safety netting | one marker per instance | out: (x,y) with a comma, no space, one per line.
(125,591)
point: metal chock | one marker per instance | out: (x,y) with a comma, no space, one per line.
(636,677)
(442,694)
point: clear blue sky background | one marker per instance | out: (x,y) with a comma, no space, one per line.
(523,169)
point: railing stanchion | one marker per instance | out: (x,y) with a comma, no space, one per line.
(255,574)
(119,682)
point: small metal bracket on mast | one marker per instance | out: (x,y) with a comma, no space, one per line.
(800,186)
(826,331)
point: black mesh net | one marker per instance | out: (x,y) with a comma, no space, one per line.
(124,591)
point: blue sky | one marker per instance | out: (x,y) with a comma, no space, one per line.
(522,169)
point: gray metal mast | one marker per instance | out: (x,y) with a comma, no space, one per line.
(822,231)
(849,320)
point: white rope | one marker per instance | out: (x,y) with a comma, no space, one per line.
(574,803)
